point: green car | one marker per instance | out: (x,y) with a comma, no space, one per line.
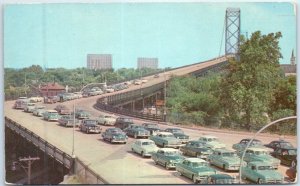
(212,142)
(262,173)
(220,179)
(260,154)
(195,168)
(166,139)
(51,115)
(196,149)
(167,157)
(225,159)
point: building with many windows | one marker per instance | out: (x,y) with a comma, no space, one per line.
(99,61)
(144,62)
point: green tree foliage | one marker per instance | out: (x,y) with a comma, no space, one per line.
(247,89)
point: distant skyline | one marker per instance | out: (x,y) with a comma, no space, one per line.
(62,35)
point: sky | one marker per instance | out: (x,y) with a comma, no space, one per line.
(61,35)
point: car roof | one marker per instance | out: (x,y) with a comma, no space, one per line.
(260,163)
(248,139)
(173,128)
(195,160)
(257,149)
(279,141)
(224,150)
(287,148)
(144,140)
(165,133)
(51,111)
(168,149)
(209,136)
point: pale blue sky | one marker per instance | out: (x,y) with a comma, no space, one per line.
(61,35)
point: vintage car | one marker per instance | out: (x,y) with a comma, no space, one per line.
(195,168)
(240,147)
(89,126)
(220,179)
(225,159)
(212,142)
(151,127)
(82,114)
(166,139)
(114,135)
(29,107)
(62,109)
(167,157)
(262,173)
(51,115)
(123,122)
(68,121)
(51,99)
(36,99)
(260,154)
(144,147)
(287,155)
(137,131)
(279,144)
(137,82)
(77,95)
(196,149)
(179,134)
(21,103)
(109,89)
(106,120)
(39,110)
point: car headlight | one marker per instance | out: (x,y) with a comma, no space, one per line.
(172,161)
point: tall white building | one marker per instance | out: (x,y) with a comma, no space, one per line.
(144,62)
(99,61)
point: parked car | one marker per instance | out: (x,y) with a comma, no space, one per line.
(39,110)
(279,144)
(144,147)
(136,131)
(123,122)
(137,82)
(62,109)
(106,120)
(260,154)
(109,89)
(286,155)
(82,114)
(144,80)
(196,149)
(226,159)
(114,135)
(195,169)
(68,121)
(51,99)
(220,179)
(78,95)
(51,115)
(167,157)
(89,126)
(29,107)
(166,139)
(240,147)
(36,99)
(156,76)
(262,173)
(151,127)
(212,142)
(179,134)
(21,103)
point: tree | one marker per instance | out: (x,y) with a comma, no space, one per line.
(247,89)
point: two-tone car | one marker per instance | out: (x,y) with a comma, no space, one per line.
(226,159)
(279,144)
(212,142)
(114,135)
(195,168)
(144,147)
(287,155)
(240,147)
(151,127)
(179,134)
(51,115)
(196,149)
(39,110)
(137,131)
(260,154)
(68,121)
(62,109)
(167,157)
(29,107)
(82,114)
(123,122)
(106,120)
(261,172)
(166,139)
(90,126)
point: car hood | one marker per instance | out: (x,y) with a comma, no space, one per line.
(150,148)
(204,170)
(270,174)
(175,157)
(172,139)
(216,144)
(232,160)
(180,135)
(268,158)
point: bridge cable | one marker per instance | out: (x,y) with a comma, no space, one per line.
(222,36)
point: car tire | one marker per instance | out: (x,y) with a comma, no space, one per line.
(194,179)
(166,166)
(142,154)
(259,181)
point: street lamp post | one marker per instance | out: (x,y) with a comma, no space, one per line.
(266,126)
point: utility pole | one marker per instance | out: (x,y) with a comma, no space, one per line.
(27,168)
(165,97)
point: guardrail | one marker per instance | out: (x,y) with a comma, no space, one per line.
(73,164)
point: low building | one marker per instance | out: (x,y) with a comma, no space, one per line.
(51,89)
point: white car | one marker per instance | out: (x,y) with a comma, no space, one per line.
(78,95)
(106,120)
(144,147)
(39,110)
(212,142)
(36,99)
(144,80)
(109,90)
(137,82)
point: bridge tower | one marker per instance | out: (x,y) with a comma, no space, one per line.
(232,32)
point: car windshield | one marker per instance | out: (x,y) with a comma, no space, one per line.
(91,122)
(179,131)
(168,135)
(199,145)
(212,139)
(292,152)
(265,168)
(127,120)
(147,143)
(172,153)
(256,142)
(261,152)
(286,144)
(229,154)
(198,164)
